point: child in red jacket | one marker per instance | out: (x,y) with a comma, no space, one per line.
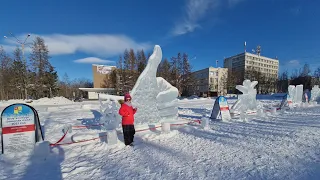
(127,112)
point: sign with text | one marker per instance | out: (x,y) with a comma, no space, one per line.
(20,128)
(221,109)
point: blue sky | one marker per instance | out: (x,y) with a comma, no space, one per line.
(79,33)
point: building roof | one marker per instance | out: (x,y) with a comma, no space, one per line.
(97,89)
(255,55)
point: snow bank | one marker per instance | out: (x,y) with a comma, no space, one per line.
(110,97)
(51,101)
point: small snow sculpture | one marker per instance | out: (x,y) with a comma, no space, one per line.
(112,137)
(110,117)
(155,98)
(248,97)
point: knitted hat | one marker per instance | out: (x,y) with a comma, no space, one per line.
(127,96)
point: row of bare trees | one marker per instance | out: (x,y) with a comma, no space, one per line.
(131,64)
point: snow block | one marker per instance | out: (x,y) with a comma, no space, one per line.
(42,149)
(165,127)
(112,137)
(273,110)
(260,113)
(68,128)
(205,123)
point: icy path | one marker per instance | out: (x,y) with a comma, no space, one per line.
(285,146)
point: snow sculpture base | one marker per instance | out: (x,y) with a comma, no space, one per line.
(165,127)
(112,137)
(154,97)
(205,123)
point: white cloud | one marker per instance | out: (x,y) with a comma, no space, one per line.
(195,11)
(293,63)
(93,44)
(92,60)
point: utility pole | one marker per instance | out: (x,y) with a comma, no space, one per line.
(24,62)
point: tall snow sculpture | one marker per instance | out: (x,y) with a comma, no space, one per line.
(299,93)
(154,97)
(315,93)
(247,99)
(292,92)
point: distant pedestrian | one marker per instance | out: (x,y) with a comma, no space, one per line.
(127,112)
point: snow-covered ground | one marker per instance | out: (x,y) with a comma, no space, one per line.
(281,146)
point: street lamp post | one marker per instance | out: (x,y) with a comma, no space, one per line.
(24,60)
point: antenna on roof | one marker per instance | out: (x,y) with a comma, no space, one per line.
(245,46)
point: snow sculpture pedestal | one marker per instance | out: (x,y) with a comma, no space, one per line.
(165,127)
(205,123)
(154,97)
(112,137)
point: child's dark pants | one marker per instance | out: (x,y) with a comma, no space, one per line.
(128,133)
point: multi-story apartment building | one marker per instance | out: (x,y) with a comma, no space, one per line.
(209,82)
(246,61)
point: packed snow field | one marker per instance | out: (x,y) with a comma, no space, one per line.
(281,146)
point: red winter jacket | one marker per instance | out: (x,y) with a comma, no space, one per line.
(127,113)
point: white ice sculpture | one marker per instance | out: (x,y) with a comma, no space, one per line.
(155,98)
(110,116)
(315,93)
(247,99)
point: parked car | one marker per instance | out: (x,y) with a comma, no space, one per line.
(77,99)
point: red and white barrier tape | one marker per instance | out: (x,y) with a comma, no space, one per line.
(141,130)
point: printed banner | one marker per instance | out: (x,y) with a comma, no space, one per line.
(20,128)
(104,69)
(224,108)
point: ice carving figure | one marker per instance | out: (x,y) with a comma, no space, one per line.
(247,99)
(155,98)
(110,117)
(315,93)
